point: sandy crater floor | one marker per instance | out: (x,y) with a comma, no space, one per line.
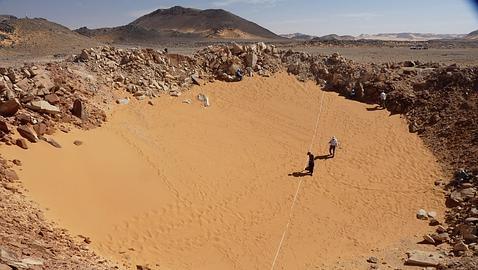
(179,186)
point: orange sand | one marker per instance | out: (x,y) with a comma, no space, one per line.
(180,186)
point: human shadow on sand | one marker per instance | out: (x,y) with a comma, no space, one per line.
(306,173)
(299,174)
(323,157)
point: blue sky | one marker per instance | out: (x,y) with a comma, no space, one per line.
(317,17)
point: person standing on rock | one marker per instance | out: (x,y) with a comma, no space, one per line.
(333,143)
(310,164)
(382,99)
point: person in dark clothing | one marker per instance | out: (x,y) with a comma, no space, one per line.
(239,74)
(352,94)
(310,164)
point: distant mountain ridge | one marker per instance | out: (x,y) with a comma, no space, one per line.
(334,37)
(40,36)
(180,22)
(472,36)
(409,36)
(7,17)
(381,36)
(298,36)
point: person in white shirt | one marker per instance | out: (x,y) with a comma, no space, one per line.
(333,143)
(382,99)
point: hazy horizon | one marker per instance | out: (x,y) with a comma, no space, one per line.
(280,16)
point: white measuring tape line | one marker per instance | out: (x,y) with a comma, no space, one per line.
(298,186)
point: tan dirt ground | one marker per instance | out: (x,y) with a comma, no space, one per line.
(378,55)
(180,186)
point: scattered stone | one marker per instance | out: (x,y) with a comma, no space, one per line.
(52,142)
(4,126)
(9,107)
(462,195)
(40,129)
(372,260)
(32,261)
(27,133)
(237,49)
(422,214)
(251,60)
(122,101)
(77,143)
(11,175)
(52,99)
(142,267)
(174,93)
(441,229)
(460,246)
(196,80)
(12,188)
(43,106)
(22,143)
(24,85)
(471,220)
(434,222)
(84,56)
(187,101)
(17,162)
(439,183)
(428,239)
(150,103)
(423,258)
(432,214)
(64,129)
(204,99)
(442,237)
(43,83)
(86,239)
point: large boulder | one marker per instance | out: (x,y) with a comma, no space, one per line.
(13,76)
(43,106)
(237,49)
(27,133)
(84,56)
(24,84)
(22,143)
(231,70)
(40,129)
(261,46)
(43,83)
(4,126)
(424,259)
(79,109)
(9,107)
(52,99)
(196,79)
(251,59)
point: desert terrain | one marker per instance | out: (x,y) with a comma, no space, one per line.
(117,154)
(181,186)
(371,54)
